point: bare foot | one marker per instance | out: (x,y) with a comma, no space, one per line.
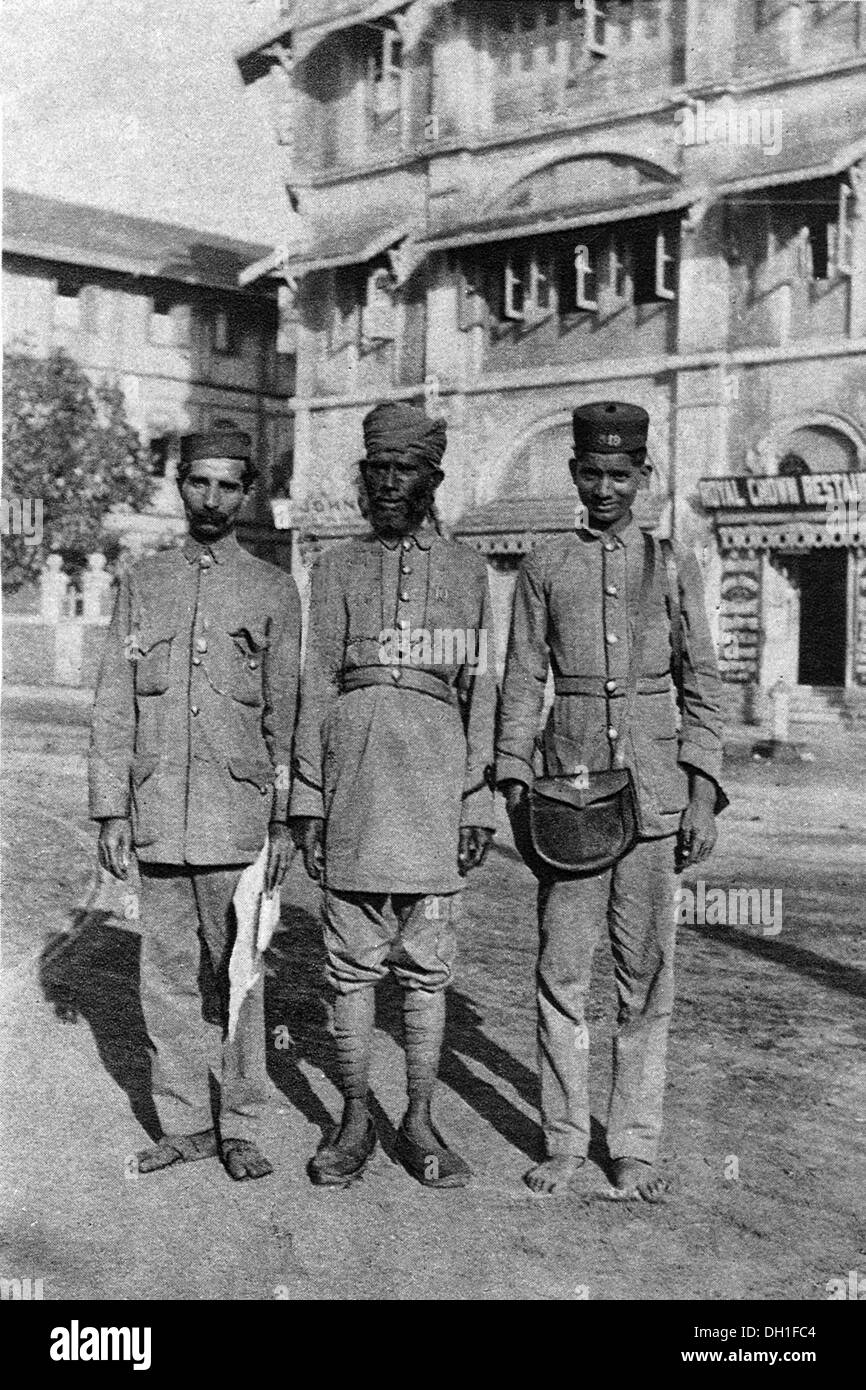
(555,1175)
(177,1148)
(633,1178)
(244,1159)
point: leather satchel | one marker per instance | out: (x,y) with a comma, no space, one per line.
(584,824)
(575,829)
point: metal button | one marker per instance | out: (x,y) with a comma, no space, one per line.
(612,734)
(196,661)
(404,597)
(405,569)
(201,645)
(608,545)
(611,590)
(611,638)
(406,543)
(205,562)
(193,709)
(610,687)
(396,673)
(253,665)
(263,790)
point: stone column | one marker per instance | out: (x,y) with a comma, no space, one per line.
(857,310)
(703,397)
(95,586)
(53,591)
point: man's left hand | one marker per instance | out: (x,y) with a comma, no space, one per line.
(281,852)
(697,833)
(474,844)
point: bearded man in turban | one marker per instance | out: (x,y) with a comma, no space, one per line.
(392,802)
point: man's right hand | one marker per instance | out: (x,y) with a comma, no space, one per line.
(308,833)
(115,845)
(514,793)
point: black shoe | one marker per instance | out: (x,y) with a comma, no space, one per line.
(432,1167)
(338,1165)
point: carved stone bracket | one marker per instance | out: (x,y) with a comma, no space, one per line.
(282,54)
(790,535)
(695,213)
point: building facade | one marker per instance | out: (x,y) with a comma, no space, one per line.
(508,209)
(158,309)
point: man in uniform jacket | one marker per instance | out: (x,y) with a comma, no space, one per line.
(393,777)
(576,610)
(189,768)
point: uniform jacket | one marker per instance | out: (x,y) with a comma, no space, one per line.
(195,705)
(576,610)
(396,773)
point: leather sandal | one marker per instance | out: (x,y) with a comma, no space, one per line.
(177,1148)
(437,1167)
(338,1165)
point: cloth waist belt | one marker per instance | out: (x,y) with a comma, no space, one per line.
(609,687)
(399,678)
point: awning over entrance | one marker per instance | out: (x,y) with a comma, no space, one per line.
(352,244)
(775,512)
(518,226)
(754,175)
(328,16)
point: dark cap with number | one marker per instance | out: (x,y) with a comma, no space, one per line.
(216,444)
(610,427)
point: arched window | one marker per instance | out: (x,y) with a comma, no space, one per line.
(793,466)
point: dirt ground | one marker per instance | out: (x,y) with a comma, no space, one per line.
(766,1107)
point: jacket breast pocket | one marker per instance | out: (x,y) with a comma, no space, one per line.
(242,657)
(152,655)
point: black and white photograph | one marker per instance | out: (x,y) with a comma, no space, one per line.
(434,662)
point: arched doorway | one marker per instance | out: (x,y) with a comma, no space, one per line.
(792,536)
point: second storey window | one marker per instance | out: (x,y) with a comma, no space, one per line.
(169,322)
(528,286)
(378,309)
(384,78)
(562,35)
(67,304)
(226,336)
(825,239)
(590,272)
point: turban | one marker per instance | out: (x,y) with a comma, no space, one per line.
(404,429)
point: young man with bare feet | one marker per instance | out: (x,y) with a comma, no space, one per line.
(581,600)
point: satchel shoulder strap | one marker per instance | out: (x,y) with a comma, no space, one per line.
(646,586)
(675,612)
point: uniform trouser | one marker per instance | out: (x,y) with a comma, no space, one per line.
(419,946)
(636,899)
(187,934)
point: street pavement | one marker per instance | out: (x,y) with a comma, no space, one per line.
(765,1123)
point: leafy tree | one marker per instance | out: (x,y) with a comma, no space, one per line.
(66,441)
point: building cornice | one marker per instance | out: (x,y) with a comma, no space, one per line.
(611,369)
